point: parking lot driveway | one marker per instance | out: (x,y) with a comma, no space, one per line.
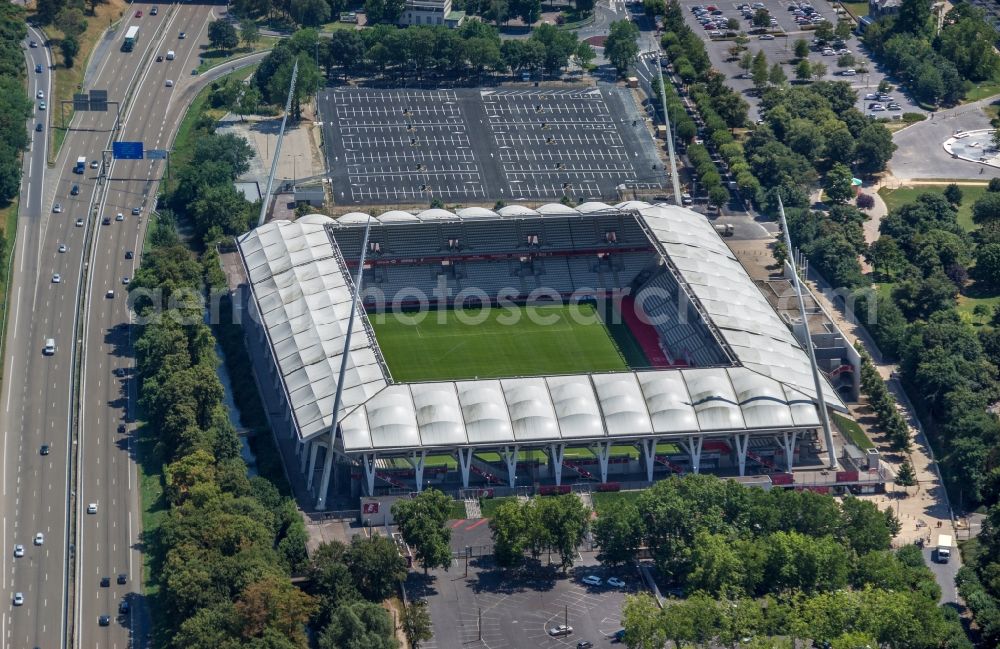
(497,609)
(920,154)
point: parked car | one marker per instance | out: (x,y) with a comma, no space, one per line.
(562,629)
(592,580)
(615,582)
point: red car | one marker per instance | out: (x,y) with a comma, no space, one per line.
(138,14)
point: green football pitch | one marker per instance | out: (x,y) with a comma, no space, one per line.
(555,340)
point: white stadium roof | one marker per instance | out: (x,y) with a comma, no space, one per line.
(303,295)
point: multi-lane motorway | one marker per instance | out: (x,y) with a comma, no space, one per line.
(39,492)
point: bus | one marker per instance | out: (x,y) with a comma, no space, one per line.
(131,36)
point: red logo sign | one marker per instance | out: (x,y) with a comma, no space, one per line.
(369,508)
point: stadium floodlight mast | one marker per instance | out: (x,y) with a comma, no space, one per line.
(324,483)
(277,148)
(817,381)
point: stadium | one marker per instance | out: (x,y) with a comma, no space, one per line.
(531,349)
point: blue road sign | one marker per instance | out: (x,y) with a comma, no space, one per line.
(156,154)
(127,150)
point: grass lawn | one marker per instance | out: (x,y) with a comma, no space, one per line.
(852,431)
(604,501)
(154,505)
(8,221)
(970,193)
(966,305)
(983,90)
(214,58)
(552,341)
(457,511)
(68,79)
(857,9)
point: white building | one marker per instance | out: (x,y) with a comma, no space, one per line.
(431,12)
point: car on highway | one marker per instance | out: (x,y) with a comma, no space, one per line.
(57,208)
(119,216)
(170,83)
(129,254)
(155,10)
(56,278)
(38,69)
(92,508)
(40,94)
(38,127)
(105,582)
(182,36)
(122,578)
(615,582)
(136,211)
(138,14)
(62,247)
(110,294)
(44,450)
(18,599)
(74,190)
(106,220)
(123,608)
(125,281)
(18,550)
(104,620)
(122,428)
(32,44)
(94,164)
(50,347)
(119,372)
(592,580)
(562,629)
(159,58)
(39,539)
(41,105)
(79,223)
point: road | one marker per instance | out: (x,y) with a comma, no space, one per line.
(38,491)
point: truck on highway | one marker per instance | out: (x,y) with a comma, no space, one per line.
(943,549)
(131,36)
(81,165)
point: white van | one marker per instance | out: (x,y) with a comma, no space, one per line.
(849,73)
(50,347)
(170,55)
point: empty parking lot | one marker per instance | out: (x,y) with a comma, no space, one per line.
(410,146)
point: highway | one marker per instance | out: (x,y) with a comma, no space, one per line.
(39,495)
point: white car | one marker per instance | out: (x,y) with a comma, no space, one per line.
(79,223)
(170,83)
(56,278)
(615,582)
(119,216)
(125,281)
(40,94)
(18,599)
(41,105)
(562,629)
(92,508)
(18,550)
(39,538)
(62,247)
(592,580)
(871,96)
(57,208)
(767,37)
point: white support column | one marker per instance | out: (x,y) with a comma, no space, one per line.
(368,463)
(648,452)
(603,454)
(510,459)
(418,466)
(789,437)
(694,450)
(303,449)
(324,483)
(556,453)
(742,446)
(313,450)
(465,463)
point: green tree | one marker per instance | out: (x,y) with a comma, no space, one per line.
(566,520)
(716,565)
(70,22)
(511,527)
(222,35)
(906,476)
(332,581)
(641,619)
(987,268)
(886,257)
(621,46)
(776,76)
(801,48)
(746,61)
(618,533)
(585,55)
(421,522)
(759,70)
(69,47)
(986,208)
(953,193)
(718,196)
(376,566)
(359,625)
(838,184)
(824,31)
(384,11)
(846,61)
(761,18)
(249,34)
(818,70)
(417,623)
(274,604)
(843,30)
(874,149)
(865,528)
(803,70)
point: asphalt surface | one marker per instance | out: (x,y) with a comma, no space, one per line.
(37,490)
(920,154)
(406,146)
